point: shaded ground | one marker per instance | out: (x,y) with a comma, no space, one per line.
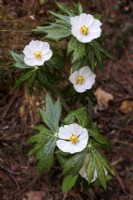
(18,173)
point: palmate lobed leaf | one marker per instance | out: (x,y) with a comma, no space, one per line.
(77,49)
(104,162)
(45,156)
(19,59)
(90,168)
(98,163)
(55,31)
(43,150)
(80,115)
(94,132)
(79,8)
(40,139)
(64,9)
(56,61)
(73,164)
(68,182)
(52,114)
(24,77)
(61,17)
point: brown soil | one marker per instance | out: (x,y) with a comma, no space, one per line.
(18,173)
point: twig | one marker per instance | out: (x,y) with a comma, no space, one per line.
(65,195)
(8,106)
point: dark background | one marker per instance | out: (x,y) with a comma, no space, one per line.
(19,178)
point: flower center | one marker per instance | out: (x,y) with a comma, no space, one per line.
(73,139)
(84,30)
(80,80)
(38,54)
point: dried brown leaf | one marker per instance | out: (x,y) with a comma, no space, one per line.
(126,106)
(103,98)
(34,195)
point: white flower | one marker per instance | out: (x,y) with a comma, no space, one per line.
(83,170)
(36,53)
(73,137)
(83,79)
(85,27)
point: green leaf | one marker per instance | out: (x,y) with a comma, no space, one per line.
(24,77)
(42,79)
(94,132)
(56,61)
(31,82)
(79,8)
(39,140)
(77,49)
(91,59)
(59,16)
(78,64)
(99,167)
(46,155)
(102,50)
(90,168)
(68,182)
(100,173)
(64,9)
(44,145)
(52,114)
(99,17)
(80,115)
(62,157)
(42,1)
(98,56)
(55,31)
(74,164)
(101,162)
(19,59)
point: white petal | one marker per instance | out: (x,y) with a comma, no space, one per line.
(80,146)
(73,149)
(76,32)
(94,176)
(79,88)
(83,170)
(106,172)
(85,71)
(47,56)
(30,61)
(74,20)
(33,45)
(96,24)
(33,61)
(89,20)
(76,129)
(73,77)
(86,19)
(86,38)
(63,145)
(90,80)
(83,138)
(44,47)
(27,52)
(64,132)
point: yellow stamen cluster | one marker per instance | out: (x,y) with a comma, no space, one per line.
(73,139)
(38,54)
(80,80)
(84,30)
